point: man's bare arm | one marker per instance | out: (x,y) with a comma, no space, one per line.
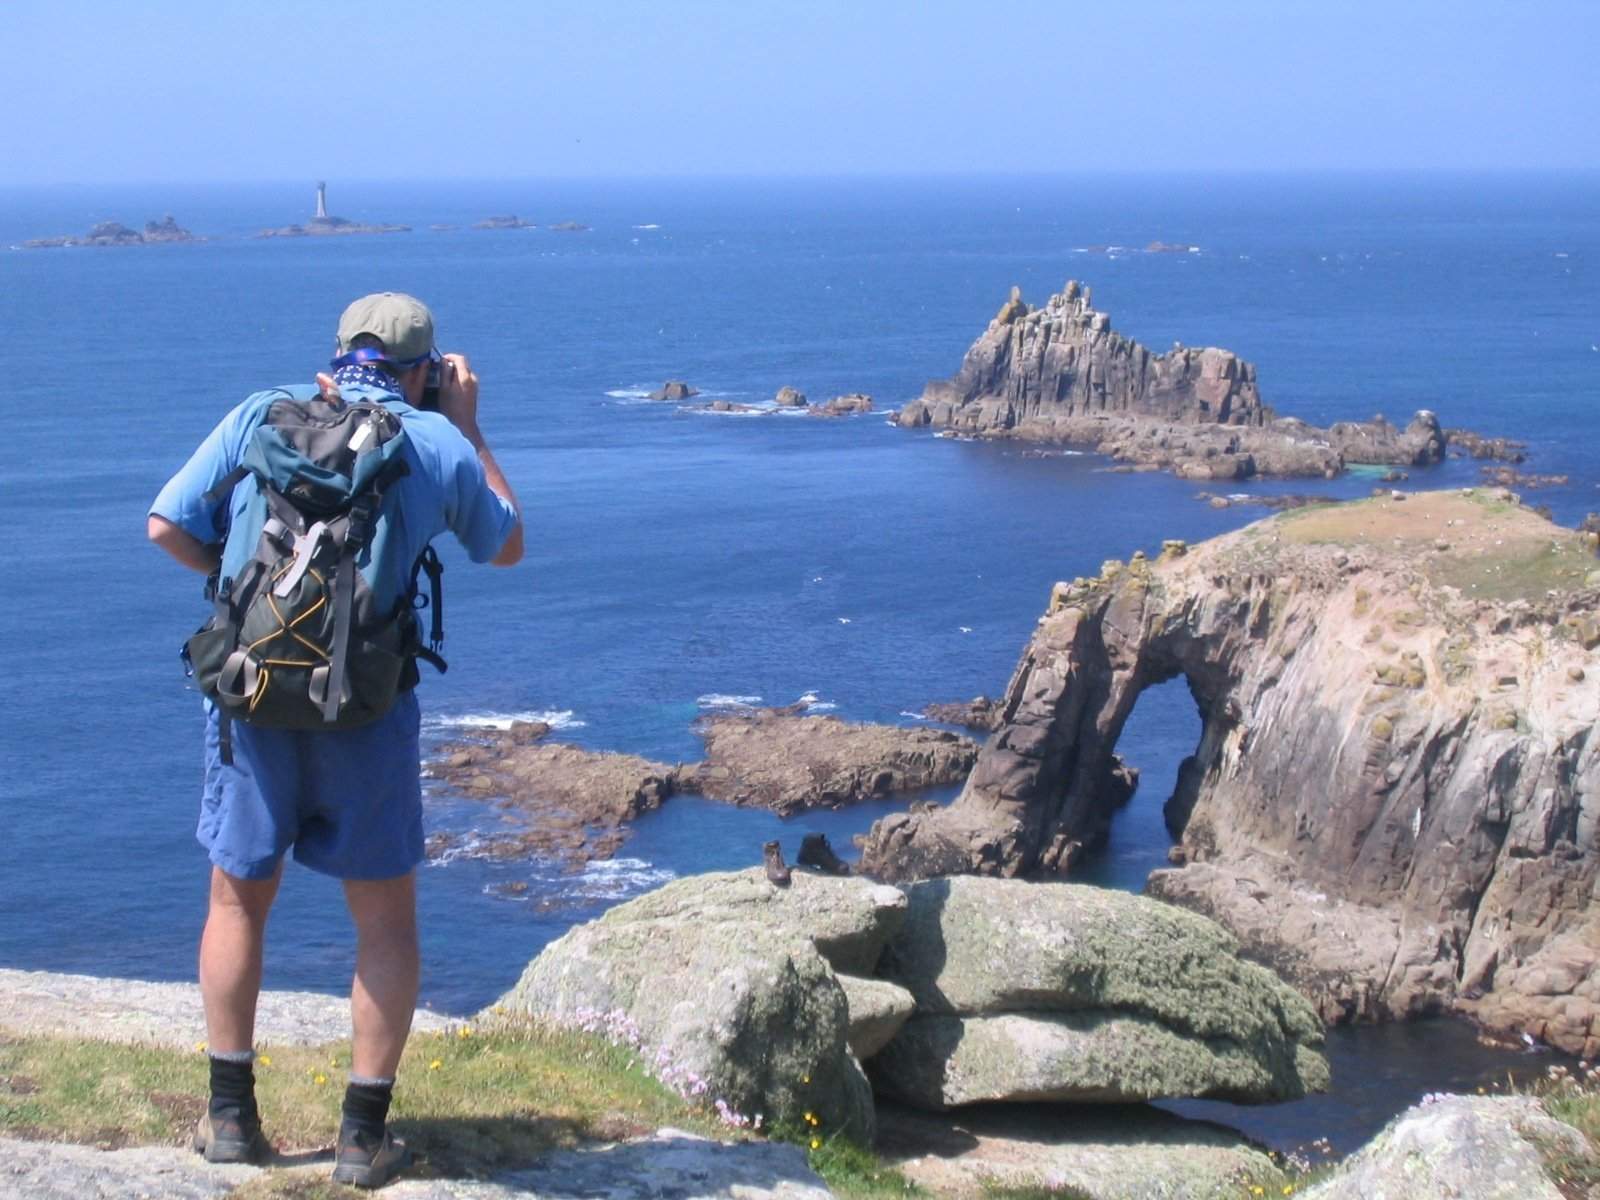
(187,549)
(458,401)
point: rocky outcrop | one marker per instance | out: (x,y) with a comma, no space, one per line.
(114,233)
(668,1162)
(954,992)
(1036,991)
(1464,1147)
(576,804)
(332,227)
(731,982)
(785,761)
(1477,445)
(509,221)
(789,397)
(571,803)
(849,405)
(1120,1152)
(48,1004)
(1396,793)
(1061,374)
(980,713)
(673,389)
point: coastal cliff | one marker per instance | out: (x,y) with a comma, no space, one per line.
(1060,373)
(1396,793)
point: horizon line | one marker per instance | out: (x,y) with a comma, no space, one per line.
(822,176)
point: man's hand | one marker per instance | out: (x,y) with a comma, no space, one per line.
(458,395)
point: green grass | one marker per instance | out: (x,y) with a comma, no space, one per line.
(1573,1098)
(468,1103)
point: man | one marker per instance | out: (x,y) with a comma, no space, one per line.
(347,801)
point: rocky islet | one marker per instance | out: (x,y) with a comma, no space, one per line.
(1060,374)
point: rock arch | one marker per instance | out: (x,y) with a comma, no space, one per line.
(1396,796)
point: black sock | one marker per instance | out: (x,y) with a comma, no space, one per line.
(233,1088)
(366,1107)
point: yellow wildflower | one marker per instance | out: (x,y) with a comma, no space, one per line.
(808,1119)
(264,1059)
(1258,1190)
(816,1143)
(805,1079)
(319,1079)
(463,1032)
(1288,1189)
(435,1065)
(200,1046)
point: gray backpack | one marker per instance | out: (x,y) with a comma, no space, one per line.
(303,635)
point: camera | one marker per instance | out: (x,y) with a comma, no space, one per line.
(430,389)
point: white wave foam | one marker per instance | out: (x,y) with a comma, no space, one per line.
(913,716)
(723,700)
(647,227)
(616,878)
(814,703)
(633,393)
(556,718)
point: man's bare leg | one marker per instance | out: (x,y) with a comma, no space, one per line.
(230,958)
(384,994)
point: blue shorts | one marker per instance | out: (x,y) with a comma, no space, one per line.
(349,801)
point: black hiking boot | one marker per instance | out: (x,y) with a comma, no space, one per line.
(365,1161)
(815,852)
(777,869)
(232,1138)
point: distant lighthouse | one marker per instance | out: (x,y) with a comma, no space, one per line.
(322,201)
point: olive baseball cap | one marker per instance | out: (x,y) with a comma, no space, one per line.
(401,322)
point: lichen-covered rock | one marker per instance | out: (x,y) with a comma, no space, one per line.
(1038,991)
(732,980)
(877,1011)
(1395,797)
(1089,1057)
(1463,1147)
(1118,1152)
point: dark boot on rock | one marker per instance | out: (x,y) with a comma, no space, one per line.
(815,852)
(777,869)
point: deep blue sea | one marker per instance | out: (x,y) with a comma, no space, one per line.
(676,557)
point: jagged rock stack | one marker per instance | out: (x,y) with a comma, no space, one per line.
(1060,373)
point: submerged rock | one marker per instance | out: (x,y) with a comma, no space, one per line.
(1393,798)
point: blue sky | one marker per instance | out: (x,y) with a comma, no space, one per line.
(120,92)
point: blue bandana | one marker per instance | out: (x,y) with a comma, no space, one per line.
(367,375)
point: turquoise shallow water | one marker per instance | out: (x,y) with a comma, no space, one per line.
(673,557)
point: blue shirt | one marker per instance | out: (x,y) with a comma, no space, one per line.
(444,489)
